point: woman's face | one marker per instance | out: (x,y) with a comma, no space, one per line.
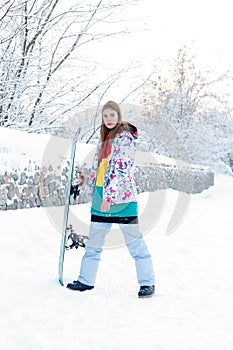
(110,118)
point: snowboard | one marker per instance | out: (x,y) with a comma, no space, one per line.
(69,238)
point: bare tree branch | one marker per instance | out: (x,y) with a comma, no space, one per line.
(40,42)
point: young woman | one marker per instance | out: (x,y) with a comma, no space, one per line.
(114,201)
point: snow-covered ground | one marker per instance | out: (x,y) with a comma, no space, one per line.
(192,308)
(193,305)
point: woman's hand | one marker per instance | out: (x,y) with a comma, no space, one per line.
(105,206)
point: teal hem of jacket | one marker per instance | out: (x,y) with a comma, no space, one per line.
(123,210)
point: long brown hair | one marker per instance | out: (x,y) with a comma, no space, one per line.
(121,125)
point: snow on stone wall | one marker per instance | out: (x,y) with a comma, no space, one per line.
(35,187)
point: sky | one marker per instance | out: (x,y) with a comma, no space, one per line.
(174,22)
(160,28)
(205,25)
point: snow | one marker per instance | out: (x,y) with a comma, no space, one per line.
(193,305)
(192,308)
(40,148)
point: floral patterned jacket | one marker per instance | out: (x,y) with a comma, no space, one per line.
(119,186)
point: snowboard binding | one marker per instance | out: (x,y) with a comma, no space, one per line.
(74,240)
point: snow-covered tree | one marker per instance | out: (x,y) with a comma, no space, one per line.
(45,75)
(189,111)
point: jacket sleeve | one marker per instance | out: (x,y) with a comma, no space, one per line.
(118,183)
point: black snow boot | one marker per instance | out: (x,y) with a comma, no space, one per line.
(146,291)
(76,285)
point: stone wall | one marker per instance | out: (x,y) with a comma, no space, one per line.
(35,187)
(188,180)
